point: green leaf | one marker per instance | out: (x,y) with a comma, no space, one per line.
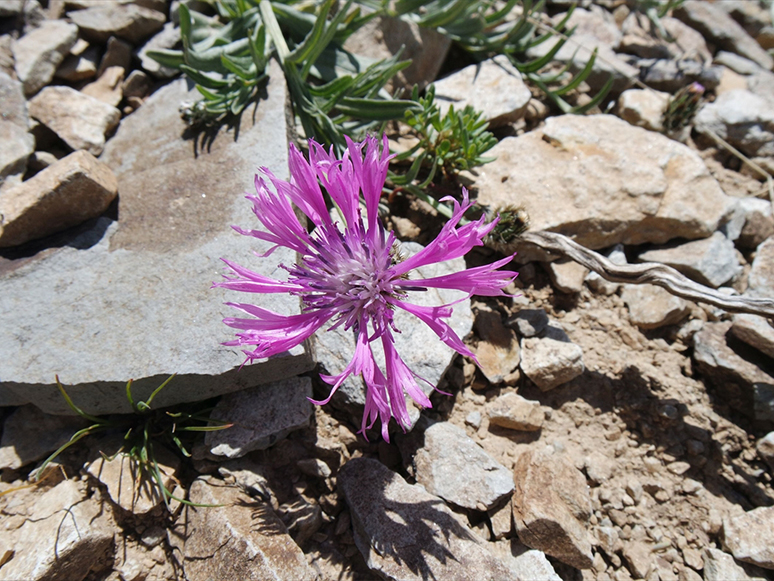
(168,58)
(375,109)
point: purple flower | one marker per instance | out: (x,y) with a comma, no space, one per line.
(351,274)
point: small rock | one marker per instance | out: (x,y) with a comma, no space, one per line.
(498,350)
(529,322)
(30,435)
(722,30)
(129,22)
(552,360)
(39,52)
(639,559)
(79,120)
(526,564)
(551,507)
(599,467)
(65,534)
(678,468)
(302,517)
(685,43)
(515,413)
(80,64)
(65,194)
(765,449)
(494,87)
(11,8)
(314,467)
(672,75)
(451,465)
(167,38)
(750,222)
(742,118)
(16,145)
(242,539)
(720,566)
(748,536)
(567,276)
(132,487)
(261,416)
(711,261)
(40,160)
(755,331)
(651,307)
(501,521)
(473,419)
(736,63)
(643,108)
(743,385)
(405,533)
(107,88)
(761,279)
(137,84)
(118,53)
(693,559)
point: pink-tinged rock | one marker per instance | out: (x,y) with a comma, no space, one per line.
(239,538)
(79,120)
(617,183)
(65,194)
(748,536)
(39,52)
(130,22)
(551,507)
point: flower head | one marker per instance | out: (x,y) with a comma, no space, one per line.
(351,274)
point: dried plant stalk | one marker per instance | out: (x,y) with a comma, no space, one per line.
(647,273)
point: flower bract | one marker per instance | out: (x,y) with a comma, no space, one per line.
(350,272)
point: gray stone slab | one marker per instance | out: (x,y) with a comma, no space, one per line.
(132,299)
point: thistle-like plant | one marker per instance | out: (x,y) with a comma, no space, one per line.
(143,430)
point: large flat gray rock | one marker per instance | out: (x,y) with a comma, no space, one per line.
(132,299)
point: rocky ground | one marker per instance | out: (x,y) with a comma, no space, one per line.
(611,432)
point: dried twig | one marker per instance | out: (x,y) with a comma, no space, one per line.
(648,273)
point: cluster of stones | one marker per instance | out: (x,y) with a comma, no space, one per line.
(296,494)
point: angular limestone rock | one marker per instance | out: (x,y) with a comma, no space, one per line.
(742,118)
(130,22)
(39,52)
(551,360)
(132,299)
(406,534)
(748,536)
(551,508)
(79,120)
(493,87)
(515,413)
(451,465)
(65,535)
(651,307)
(617,183)
(65,194)
(742,385)
(241,538)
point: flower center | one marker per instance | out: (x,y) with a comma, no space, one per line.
(350,275)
